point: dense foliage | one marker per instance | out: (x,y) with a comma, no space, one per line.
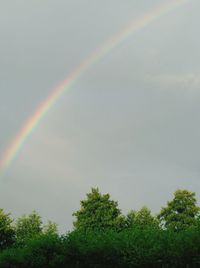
(98,212)
(103,237)
(6,230)
(181,212)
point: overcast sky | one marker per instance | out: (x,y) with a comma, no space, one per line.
(130,125)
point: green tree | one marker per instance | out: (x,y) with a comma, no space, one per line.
(44,251)
(145,218)
(130,219)
(181,212)
(50,228)
(7,233)
(98,212)
(141,218)
(28,226)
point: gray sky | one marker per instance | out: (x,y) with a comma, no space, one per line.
(130,125)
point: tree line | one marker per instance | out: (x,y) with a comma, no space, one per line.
(103,237)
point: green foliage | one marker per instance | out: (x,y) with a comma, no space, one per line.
(50,228)
(87,249)
(98,212)
(141,218)
(101,238)
(181,212)
(6,230)
(28,226)
(134,247)
(144,218)
(44,251)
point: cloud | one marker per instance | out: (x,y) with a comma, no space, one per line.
(181,81)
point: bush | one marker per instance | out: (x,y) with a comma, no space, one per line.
(133,247)
(42,251)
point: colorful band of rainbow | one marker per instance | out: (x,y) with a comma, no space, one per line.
(133,26)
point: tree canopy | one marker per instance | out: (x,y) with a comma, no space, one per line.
(141,218)
(7,232)
(181,212)
(98,212)
(103,237)
(28,226)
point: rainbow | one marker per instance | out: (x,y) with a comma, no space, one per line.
(33,121)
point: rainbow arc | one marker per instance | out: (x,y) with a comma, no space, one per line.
(33,121)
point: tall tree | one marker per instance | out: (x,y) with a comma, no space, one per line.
(7,233)
(98,212)
(141,218)
(130,219)
(181,212)
(28,226)
(50,228)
